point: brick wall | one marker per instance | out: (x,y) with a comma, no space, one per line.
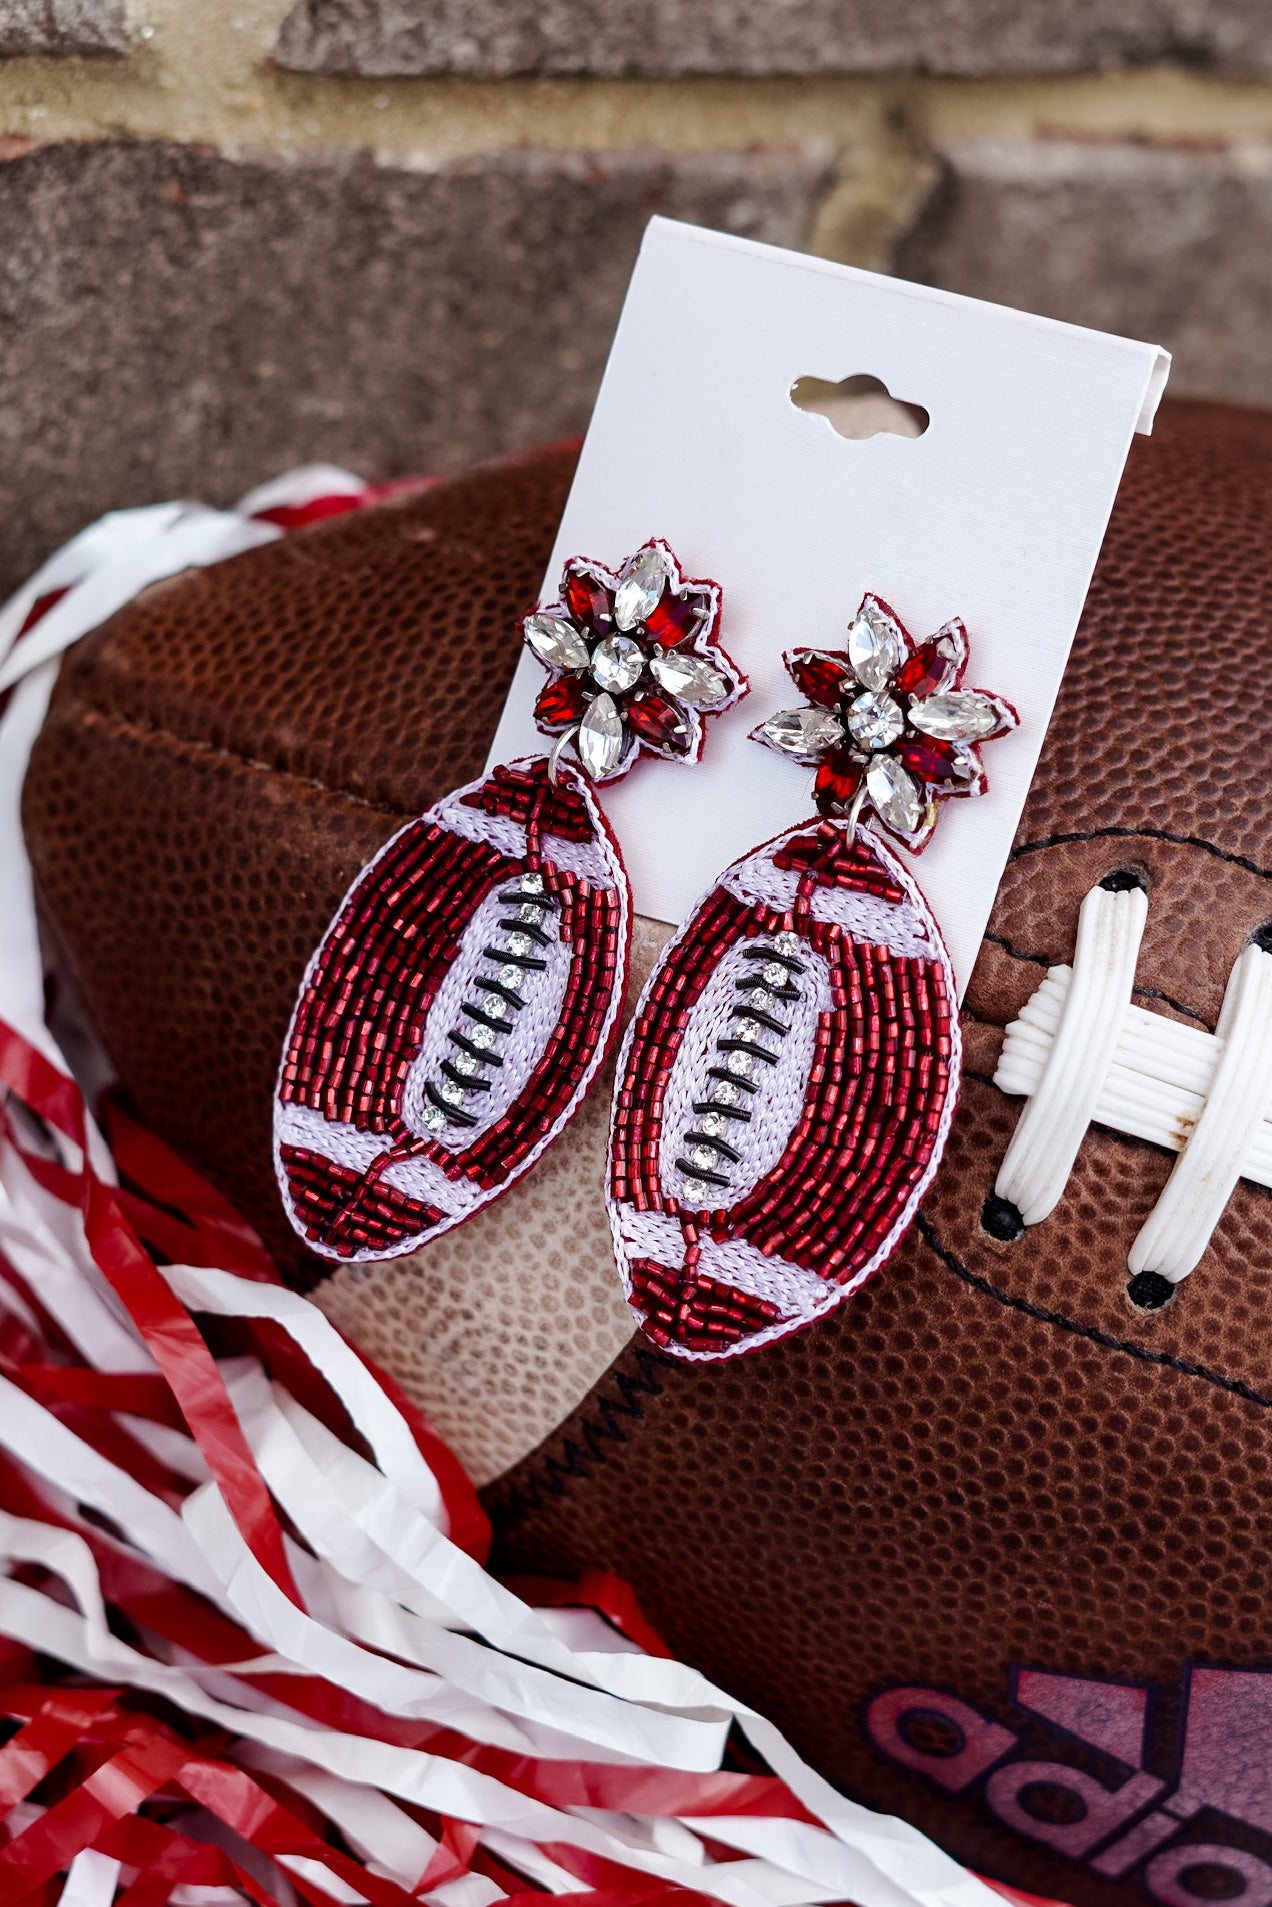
(236,233)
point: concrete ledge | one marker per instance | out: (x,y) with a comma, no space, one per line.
(495,39)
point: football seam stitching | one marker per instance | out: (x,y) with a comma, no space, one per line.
(131,725)
(1151,834)
(1042,960)
(554,1471)
(1089,1331)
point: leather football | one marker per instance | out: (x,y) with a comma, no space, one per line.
(991,1540)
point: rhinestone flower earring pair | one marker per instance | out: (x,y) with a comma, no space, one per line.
(787,1083)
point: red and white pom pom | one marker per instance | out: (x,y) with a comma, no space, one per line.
(248,1641)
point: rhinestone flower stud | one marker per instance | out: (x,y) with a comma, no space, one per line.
(634,662)
(889,723)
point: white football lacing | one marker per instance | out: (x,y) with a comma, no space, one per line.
(1082,1053)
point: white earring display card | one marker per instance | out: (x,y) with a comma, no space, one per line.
(994,514)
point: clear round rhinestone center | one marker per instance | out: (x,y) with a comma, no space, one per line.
(617,664)
(874,720)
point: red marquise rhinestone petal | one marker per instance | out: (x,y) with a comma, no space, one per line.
(939,764)
(838,779)
(561,701)
(820,675)
(673,619)
(590,604)
(659,721)
(927,671)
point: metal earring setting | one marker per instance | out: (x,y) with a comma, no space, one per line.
(468,989)
(787,1084)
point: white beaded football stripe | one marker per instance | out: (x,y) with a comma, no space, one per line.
(797,1292)
(422,1179)
(586,860)
(902,929)
(1085,1054)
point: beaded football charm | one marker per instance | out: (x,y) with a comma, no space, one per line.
(469,987)
(787,1085)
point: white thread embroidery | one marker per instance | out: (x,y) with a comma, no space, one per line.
(897,925)
(801,1293)
(740,1143)
(479,1079)
(584,859)
(1206,1096)
(309,1130)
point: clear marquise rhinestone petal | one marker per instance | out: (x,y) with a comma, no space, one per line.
(895,794)
(805,731)
(556,642)
(639,587)
(689,678)
(960,716)
(600,740)
(875,649)
(617,664)
(874,720)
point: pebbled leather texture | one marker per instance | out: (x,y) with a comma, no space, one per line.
(988,1459)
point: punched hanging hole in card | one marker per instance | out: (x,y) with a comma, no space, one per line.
(994,515)
(858,407)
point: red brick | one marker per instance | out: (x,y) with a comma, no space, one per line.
(1172,244)
(87,28)
(176,323)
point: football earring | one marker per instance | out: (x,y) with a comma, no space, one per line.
(787,1084)
(468,989)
